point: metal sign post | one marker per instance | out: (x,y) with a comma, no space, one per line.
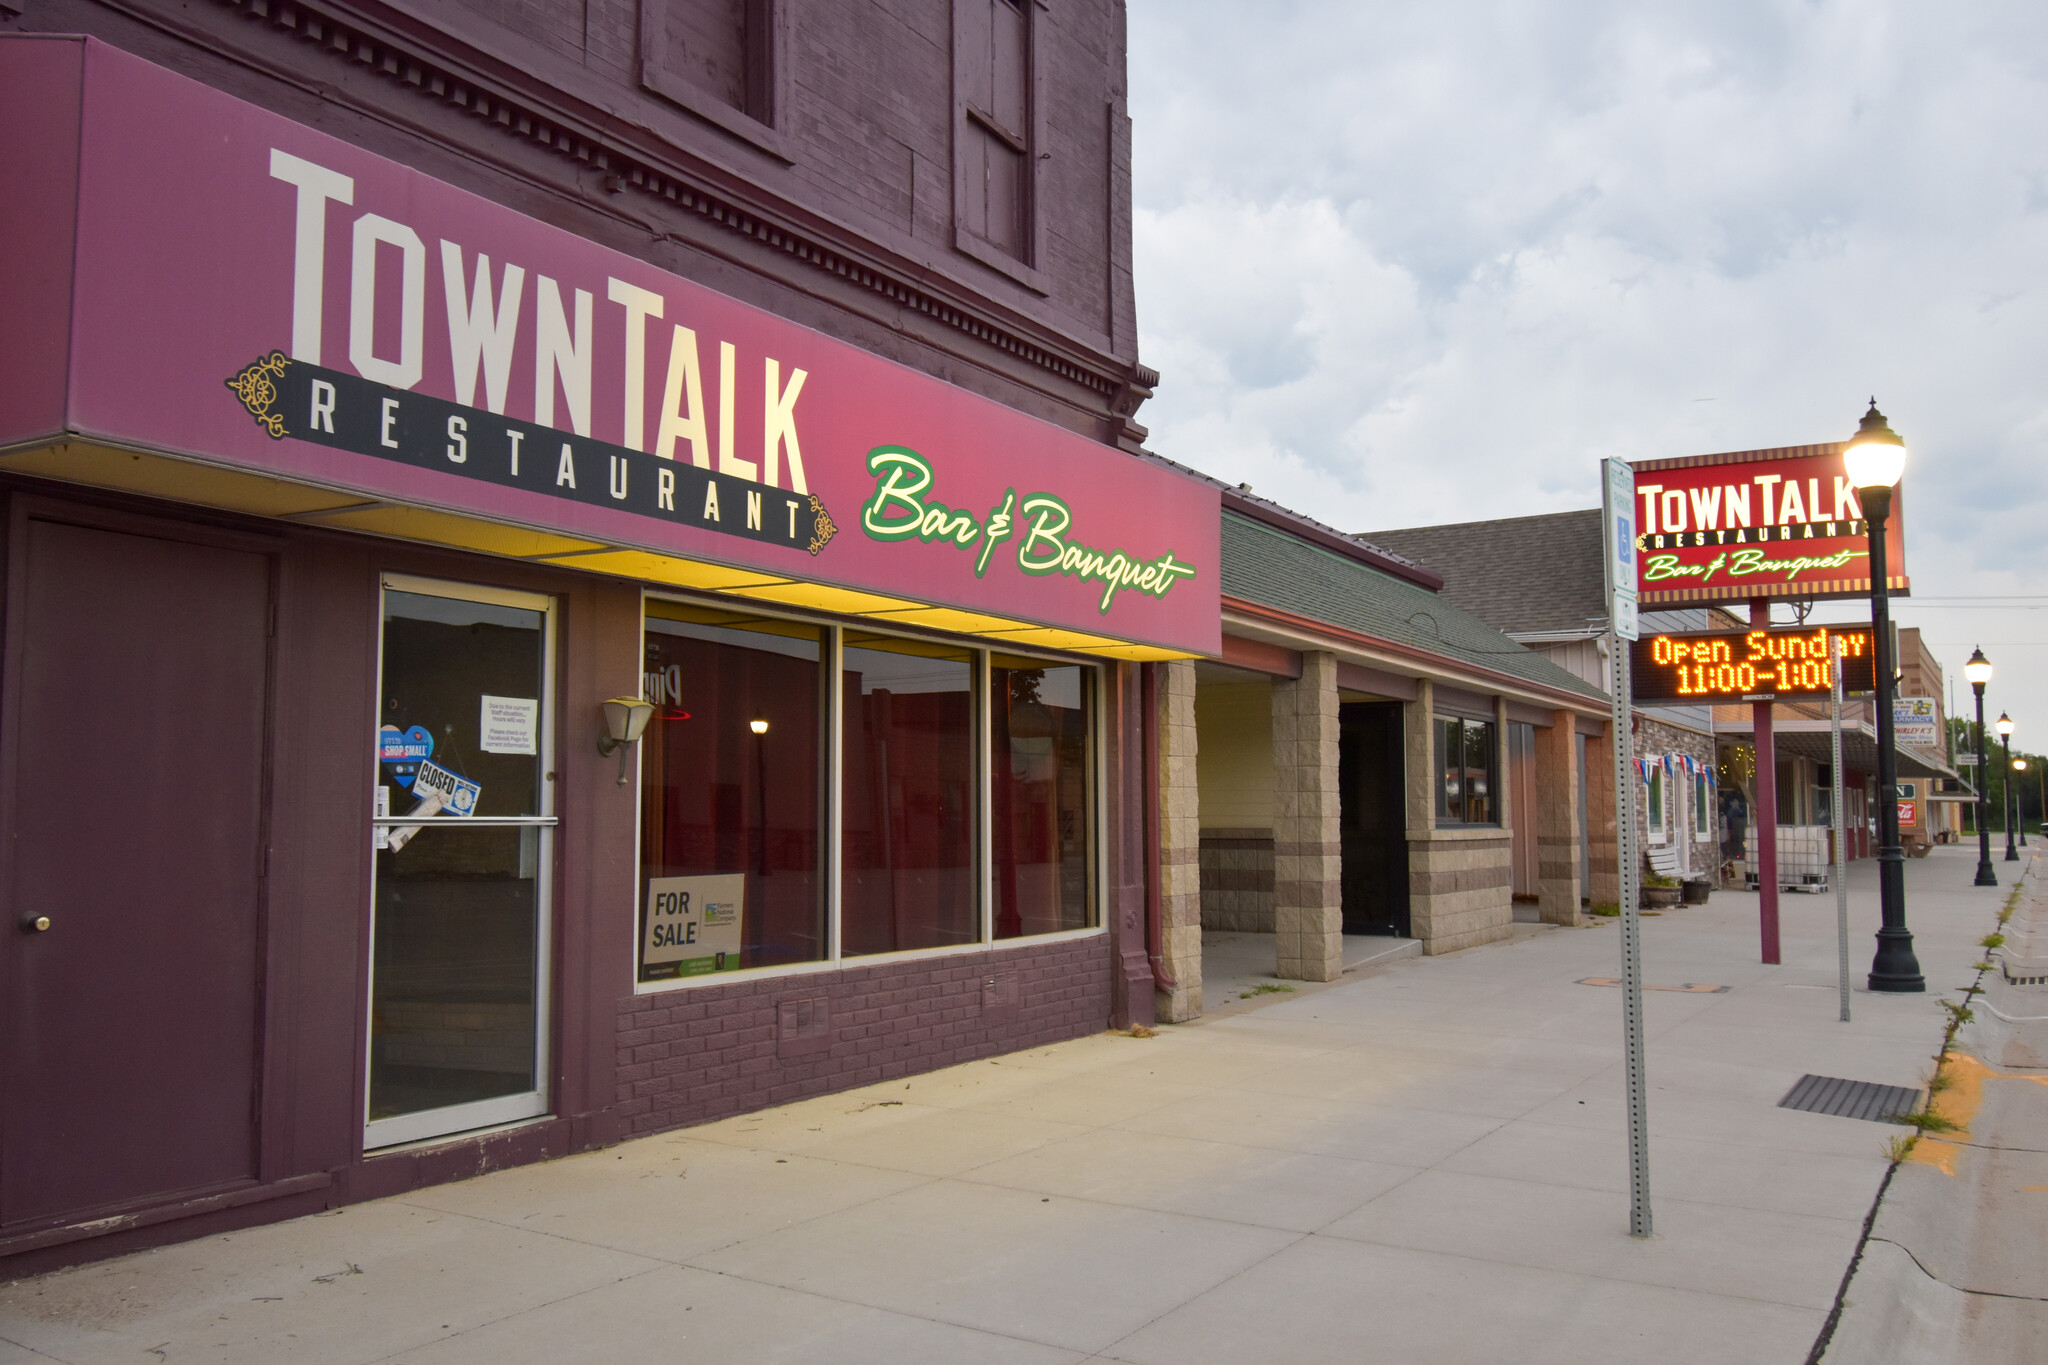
(1841,823)
(1618,525)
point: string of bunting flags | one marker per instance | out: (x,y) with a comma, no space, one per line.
(1673,766)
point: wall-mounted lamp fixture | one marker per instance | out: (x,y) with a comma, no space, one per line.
(624,720)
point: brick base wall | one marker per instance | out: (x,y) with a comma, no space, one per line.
(1237,880)
(699,1053)
(1460,891)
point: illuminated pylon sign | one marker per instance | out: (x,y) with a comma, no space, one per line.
(1752,665)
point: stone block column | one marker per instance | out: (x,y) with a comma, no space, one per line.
(1602,858)
(1557,821)
(1308,910)
(1418,739)
(1180,844)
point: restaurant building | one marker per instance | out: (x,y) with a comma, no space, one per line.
(569,570)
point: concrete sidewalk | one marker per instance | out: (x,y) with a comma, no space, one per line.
(1425,1163)
(1955,1271)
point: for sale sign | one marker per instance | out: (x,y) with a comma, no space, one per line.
(694,925)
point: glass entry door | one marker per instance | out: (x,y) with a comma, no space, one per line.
(463,841)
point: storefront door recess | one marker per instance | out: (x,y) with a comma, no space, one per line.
(1374,818)
(463,841)
(137,686)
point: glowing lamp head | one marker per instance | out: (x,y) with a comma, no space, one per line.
(1977,669)
(2019,764)
(2003,725)
(1876,457)
(759,727)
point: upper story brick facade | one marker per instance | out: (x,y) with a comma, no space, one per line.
(943,182)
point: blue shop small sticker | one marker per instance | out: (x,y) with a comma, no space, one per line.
(403,751)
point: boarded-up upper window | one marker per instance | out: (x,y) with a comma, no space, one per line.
(716,58)
(992,59)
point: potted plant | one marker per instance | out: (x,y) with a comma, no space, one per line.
(1697,890)
(1659,892)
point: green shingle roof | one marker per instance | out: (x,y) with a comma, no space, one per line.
(1274,569)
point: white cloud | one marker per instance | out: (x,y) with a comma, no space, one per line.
(1402,264)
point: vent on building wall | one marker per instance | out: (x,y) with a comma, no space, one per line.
(802,1026)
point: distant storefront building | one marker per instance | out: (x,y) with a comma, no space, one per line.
(1539,580)
(1365,759)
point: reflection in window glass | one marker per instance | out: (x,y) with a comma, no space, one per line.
(1450,762)
(907,792)
(1478,773)
(731,777)
(1039,796)
(1465,764)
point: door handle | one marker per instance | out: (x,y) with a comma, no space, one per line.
(34,924)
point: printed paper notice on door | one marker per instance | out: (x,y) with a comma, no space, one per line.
(509,725)
(693,926)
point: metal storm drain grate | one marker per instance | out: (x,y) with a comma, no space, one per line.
(1851,1099)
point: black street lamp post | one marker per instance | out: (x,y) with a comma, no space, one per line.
(1875,459)
(1978,671)
(2019,795)
(2004,726)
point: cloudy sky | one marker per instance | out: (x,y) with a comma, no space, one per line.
(1402,264)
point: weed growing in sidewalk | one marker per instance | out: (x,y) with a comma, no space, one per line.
(1927,1121)
(1605,910)
(1267,988)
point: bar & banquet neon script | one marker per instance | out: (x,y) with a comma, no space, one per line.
(1749,665)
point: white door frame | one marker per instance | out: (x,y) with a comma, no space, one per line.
(504,1109)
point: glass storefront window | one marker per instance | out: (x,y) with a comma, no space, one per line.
(1040,796)
(907,786)
(731,846)
(941,784)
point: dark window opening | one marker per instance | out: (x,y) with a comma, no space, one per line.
(732,784)
(907,783)
(1041,795)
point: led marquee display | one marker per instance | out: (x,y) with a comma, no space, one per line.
(1749,665)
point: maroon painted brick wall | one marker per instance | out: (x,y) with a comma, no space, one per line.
(700,1053)
(542,105)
